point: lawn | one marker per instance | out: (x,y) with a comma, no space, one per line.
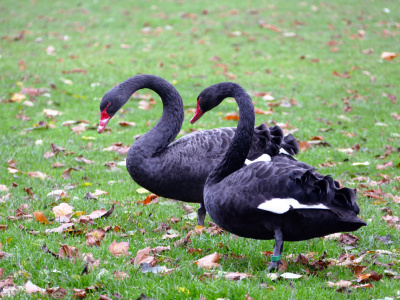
(318,68)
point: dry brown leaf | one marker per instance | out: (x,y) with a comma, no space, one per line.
(51,112)
(385,165)
(37,174)
(80,158)
(158,249)
(79,293)
(209,261)
(237,276)
(118,249)
(373,276)
(152,198)
(4,188)
(94,237)
(97,213)
(340,284)
(121,275)
(348,239)
(66,251)
(3,227)
(99,193)
(389,55)
(57,165)
(40,217)
(247,297)
(60,229)
(143,257)
(56,292)
(62,210)
(125,123)
(31,288)
(231,117)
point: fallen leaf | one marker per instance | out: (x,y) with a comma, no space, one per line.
(51,112)
(231,117)
(99,193)
(66,251)
(62,210)
(39,217)
(56,292)
(143,257)
(37,174)
(31,288)
(209,261)
(125,123)
(384,166)
(80,158)
(389,55)
(118,249)
(94,237)
(348,239)
(340,284)
(152,198)
(121,275)
(237,276)
(60,229)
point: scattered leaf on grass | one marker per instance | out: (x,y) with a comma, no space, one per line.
(237,276)
(31,288)
(62,210)
(209,261)
(152,198)
(80,158)
(60,229)
(125,123)
(348,239)
(143,257)
(121,275)
(56,292)
(66,251)
(118,249)
(37,174)
(94,237)
(39,217)
(389,55)
(340,284)
(290,276)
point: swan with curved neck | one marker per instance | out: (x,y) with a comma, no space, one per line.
(270,200)
(178,170)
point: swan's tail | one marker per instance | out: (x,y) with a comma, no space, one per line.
(290,145)
(313,188)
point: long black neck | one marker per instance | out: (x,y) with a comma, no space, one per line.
(240,146)
(168,127)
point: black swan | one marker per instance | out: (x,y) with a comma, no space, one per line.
(270,200)
(179,170)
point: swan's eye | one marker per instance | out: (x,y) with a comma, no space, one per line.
(108,104)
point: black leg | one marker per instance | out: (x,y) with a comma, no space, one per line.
(201,215)
(276,256)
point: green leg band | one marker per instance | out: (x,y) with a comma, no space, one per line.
(275,258)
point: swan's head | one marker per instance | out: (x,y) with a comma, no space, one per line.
(208,99)
(109,105)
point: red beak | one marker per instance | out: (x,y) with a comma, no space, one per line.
(197,115)
(104,118)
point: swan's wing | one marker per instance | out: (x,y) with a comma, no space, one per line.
(279,187)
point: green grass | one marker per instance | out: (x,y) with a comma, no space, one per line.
(183,37)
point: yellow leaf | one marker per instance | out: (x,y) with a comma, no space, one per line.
(142,191)
(79,213)
(88,138)
(86,184)
(8,240)
(198,227)
(17,97)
